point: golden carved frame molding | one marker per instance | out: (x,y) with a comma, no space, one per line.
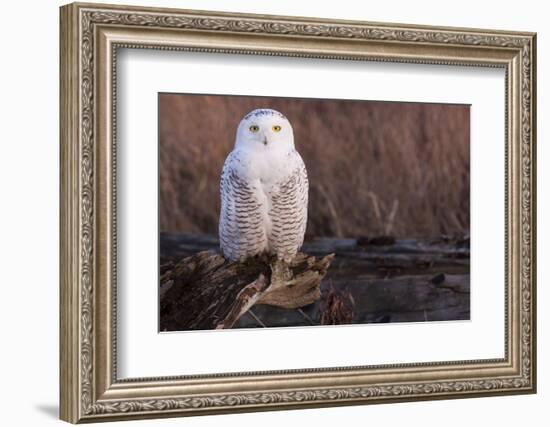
(90,37)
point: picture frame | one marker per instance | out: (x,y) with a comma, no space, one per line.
(91,37)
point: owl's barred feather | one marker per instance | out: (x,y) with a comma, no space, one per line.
(264,190)
(288,215)
(241,222)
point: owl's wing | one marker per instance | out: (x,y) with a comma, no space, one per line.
(242,216)
(288,213)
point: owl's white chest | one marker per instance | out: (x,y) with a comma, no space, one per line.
(264,173)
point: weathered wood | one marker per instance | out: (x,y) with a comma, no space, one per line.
(245,299)
(388,279)
(205,291)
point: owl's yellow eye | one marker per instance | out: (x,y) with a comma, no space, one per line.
(276,128)
(254,128)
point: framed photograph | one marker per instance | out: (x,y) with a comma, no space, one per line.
(266,212)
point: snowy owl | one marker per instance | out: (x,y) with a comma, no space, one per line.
(264,190)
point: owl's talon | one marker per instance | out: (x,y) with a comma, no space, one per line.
(280,272)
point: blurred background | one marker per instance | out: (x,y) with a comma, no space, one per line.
(375,168)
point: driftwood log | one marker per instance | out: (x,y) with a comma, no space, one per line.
(370,280)
(205,291)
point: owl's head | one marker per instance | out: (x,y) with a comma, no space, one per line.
(265,129)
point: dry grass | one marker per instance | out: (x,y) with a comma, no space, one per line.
(374,167)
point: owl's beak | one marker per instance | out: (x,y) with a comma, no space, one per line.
(265,140)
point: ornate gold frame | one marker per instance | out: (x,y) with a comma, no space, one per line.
(90,36)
